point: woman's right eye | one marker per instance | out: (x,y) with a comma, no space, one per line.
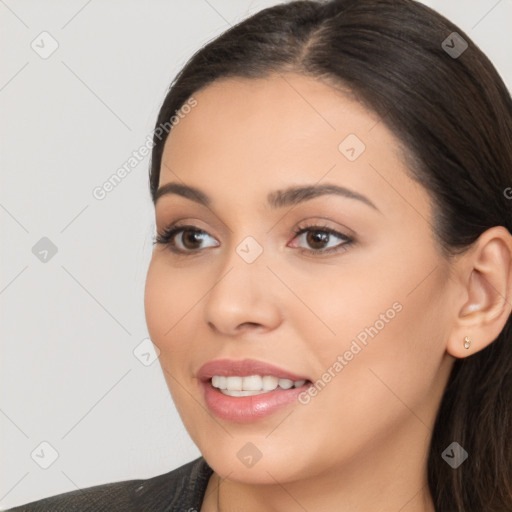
(182,239)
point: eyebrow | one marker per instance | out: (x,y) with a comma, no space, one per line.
(278,199)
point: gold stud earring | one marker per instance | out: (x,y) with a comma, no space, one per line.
(467,342)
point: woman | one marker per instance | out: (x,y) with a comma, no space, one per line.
(331,284)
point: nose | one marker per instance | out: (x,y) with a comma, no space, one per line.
(243,298)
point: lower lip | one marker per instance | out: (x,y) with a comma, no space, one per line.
(245,409)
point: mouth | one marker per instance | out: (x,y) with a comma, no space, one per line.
(248,390)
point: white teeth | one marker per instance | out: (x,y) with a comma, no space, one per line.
(252,384)
(240,393)
(285,383)
(219,382)
(270,383)
(234,383)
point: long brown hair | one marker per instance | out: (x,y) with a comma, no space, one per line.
(453,113)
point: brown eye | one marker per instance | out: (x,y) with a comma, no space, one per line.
(183,239)
(317,239)
(320,240)
(191,239)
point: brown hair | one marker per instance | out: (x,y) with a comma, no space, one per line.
(453,114)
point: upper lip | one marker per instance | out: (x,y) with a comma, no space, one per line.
(244,368)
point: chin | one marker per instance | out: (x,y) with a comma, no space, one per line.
(252,460)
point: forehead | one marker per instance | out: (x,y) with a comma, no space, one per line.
(288,129)
(282,105)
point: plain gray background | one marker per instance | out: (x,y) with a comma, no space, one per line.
(70,324)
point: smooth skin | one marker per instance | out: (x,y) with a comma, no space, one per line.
(361,443)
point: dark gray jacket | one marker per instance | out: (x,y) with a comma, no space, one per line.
(180,490)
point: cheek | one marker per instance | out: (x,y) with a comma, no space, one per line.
(388,318)
(156,303)
(166,303)
(169,297)
(383,362)
(332,305)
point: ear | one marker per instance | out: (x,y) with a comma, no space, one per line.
(485,275)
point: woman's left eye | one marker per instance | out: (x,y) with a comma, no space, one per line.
(320,238)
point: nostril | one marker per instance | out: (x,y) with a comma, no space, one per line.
(248,325)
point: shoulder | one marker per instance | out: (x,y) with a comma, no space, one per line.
(180,489)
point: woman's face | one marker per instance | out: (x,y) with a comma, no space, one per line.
(365,323)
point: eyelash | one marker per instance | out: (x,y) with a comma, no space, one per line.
(168,234)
